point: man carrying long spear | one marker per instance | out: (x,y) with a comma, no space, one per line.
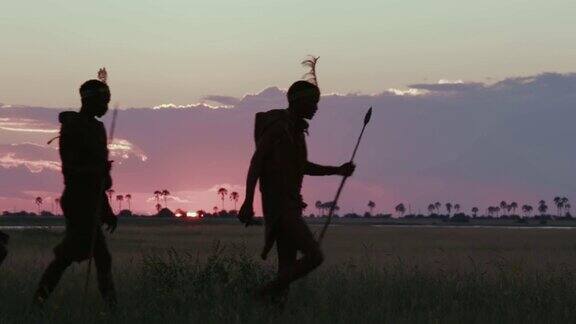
(280,163)
(86,170)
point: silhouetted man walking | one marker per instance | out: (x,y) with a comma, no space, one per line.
(86,170)
(280,163)
(3,242)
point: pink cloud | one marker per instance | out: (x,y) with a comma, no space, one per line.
(26,125)
(10,160)
(461,145)
(124,149)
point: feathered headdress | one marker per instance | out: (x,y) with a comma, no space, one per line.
(103,75)
(311,62)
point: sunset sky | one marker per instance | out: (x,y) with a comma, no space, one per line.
(179,51)
(473,102)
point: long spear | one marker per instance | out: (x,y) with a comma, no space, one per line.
(335,201)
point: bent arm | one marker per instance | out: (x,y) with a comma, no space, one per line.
(253,175)
(314,169)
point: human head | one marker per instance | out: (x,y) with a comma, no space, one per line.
(95,96)
(303,98)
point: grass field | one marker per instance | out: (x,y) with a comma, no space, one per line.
(204,273)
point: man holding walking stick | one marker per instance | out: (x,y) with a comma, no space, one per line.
(86,170)
(280,163)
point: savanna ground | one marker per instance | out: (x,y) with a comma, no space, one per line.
(173,272)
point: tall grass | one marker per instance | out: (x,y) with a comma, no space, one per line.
(175,287)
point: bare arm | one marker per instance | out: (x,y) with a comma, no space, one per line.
(313,169)
(107,215)
(263,147)
(253,175)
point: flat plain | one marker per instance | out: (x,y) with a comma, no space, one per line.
(193,272)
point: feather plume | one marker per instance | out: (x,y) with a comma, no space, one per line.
(311,62)
(103,75)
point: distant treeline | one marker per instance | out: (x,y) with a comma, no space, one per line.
(179,214)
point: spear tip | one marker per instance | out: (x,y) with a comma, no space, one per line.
(368,116)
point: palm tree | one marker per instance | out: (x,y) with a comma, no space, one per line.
(215,210)
(431,208)
(158,207)
(475,211)
(491,210)
(234,196)
(513,206)
(222,192)
(567,207)
(526,209)
(542,208)
(497,210)
(157,195)
(39,201)
(128,198)
(559,202)
(110,192)
(503,205)
(371,205)
(165,194)
(328,205)
(119,199)
(437,205)
(564,203)
(457,208)
(448,208)
(400,209)
(318,206)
